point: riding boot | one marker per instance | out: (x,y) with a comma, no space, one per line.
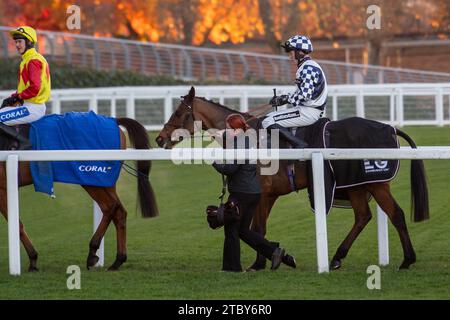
(295,142)
(24,143)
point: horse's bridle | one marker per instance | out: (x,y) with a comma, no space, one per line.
(190,112)
(189,107)
(178,115)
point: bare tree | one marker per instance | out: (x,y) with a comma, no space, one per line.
(269,25)
(183,16)
(187,14)
(280,21)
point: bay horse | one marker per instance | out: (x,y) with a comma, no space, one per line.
(106,198)
(212,116)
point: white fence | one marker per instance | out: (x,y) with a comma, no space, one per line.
(396,104)
(317,156)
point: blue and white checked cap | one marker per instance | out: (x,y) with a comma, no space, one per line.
(298,42)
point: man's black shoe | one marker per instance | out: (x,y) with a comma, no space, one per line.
(289,261)
(277,257)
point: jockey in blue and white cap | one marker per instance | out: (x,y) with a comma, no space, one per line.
(308,100)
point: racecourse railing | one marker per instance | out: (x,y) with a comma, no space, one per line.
(200,64)
(396,104)
(207,155)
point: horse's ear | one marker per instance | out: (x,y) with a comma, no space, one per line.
(191,93)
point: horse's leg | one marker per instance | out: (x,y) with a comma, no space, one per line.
(384,198)
(28,245)
(29,248)
(120,219)
(259,224)
(362,217)
(108,205)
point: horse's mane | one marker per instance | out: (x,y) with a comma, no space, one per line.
(221,105)
(246,115)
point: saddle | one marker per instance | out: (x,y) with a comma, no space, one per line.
(7,142)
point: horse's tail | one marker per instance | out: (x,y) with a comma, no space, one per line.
(419,189)
(139,139)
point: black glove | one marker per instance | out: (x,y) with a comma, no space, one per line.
(279,100)
(11,101)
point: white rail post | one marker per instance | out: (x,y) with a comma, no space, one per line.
(113,107)
(101,250)
(360,109)
(168,106)
(400,107)
(335,108)
(320,212)
(244,102)
(439,101)
(56,105)
(383,237)
(12,190)
(131,105)
(448,105)
(93,103)
(392,108)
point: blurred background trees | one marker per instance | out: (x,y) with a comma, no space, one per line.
(260,24)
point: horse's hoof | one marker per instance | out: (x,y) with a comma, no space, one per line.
(113,268)
(120,259)
(289,261)
(335,264)
(33,269)
(92,261)
(407,263)
(404,266)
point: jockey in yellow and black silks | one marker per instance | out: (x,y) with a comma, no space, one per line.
(27,104)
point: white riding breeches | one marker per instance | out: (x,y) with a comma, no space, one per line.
(293,117)
(27,113)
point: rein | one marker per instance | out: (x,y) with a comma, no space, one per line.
(132,171)
(190,110)
(248,117)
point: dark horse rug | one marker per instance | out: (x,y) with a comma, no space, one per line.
(339,174)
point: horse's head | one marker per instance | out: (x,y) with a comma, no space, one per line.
(182,118)
(192,114)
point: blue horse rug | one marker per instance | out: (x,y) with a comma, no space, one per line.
(74,131)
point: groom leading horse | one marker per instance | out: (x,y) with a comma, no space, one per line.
(212,116)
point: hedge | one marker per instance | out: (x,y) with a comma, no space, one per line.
(67,76)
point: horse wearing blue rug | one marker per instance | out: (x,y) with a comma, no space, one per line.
(84,131)
(74,131)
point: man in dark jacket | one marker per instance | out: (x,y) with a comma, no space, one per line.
(244,188)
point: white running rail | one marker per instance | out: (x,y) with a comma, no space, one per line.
(396,104)
(12,159)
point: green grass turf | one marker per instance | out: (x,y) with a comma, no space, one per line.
(177,256)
